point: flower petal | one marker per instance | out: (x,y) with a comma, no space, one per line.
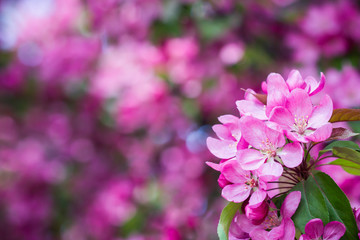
(259,234)
(236,192)
(290,204)
(250,108)
(320,134)
(270,171)
(299,103)
(282,116)
(277,92)
(223,132)
(250,159)
(291,154)
(257,198)
(314,228)
(253,131)
(334,230)
(234,173)
(321,113)
(295,80)
(223,149)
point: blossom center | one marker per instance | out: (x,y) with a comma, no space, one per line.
(268,148)
(300,124)
(252,183)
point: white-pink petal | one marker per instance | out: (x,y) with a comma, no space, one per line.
(250,159)
(320,134)
(321,113)
(282,116)
(257,198)
(291,154)
(224,149)
(299,103)
(290,204)
(236,192)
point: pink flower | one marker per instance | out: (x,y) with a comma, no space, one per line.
(268,144)
(301,121)
(244,184)
(314,229)
(230,136)
(251,106)
(282,228)
(257,214)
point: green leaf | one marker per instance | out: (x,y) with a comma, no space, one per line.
(347,154)
(348,166)
(348,144)
(344,114)
(312,204)
(226,217)
(338,205)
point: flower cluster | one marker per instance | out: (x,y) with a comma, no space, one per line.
(266,152)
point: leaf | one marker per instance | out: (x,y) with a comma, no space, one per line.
(348,144)
(226,217)
(338,205)
(345,114)
(347,154)
(341,133)
(261,97)
(312,204)
(348,166)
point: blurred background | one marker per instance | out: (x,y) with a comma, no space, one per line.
(105,106)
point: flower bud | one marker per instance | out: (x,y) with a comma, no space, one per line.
(257,214)
(223,181)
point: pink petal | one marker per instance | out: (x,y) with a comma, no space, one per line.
(223,132)
(317,88)
(250,108)
(259,234)
(234,173)
(278,232)
(296,137)
(253,131)
(334,230)
(250,159)
(292,154)
(321,113)
(304,237)
(257,198)
(277,92)
(275,137)
(236,192)
(320,134)
(223,149)
(290,204)
(299,103)
(244,223)
(295,80)
(270,171)
(225,119)
(314,228)
(282,116)
(289,228)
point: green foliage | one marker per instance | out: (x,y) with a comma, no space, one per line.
(347,165)
(226,218)
(346,144)
(347,154)
(312,204)
(322,198)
